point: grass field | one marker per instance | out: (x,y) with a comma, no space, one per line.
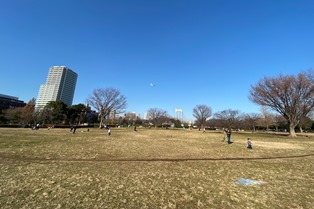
(153,169)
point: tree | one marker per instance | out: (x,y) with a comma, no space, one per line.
(157,115)
(280,122)
(291,96)
(250,120)
(202,113)
(13,115)
(3,119)
(54,112)
(305,124)
(77,114)
(267,117)
(105,101)
(229,117)
(27,112)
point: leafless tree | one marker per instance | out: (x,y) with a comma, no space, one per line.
(105,101)
(289,95)
(250,120)
(279,120)
(130,116)
(267,118)
(229,117)
(202,113)
(157,115)
(305,123)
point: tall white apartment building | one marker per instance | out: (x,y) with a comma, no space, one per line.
(60,85)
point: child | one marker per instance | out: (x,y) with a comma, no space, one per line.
(108,131)
(249,143)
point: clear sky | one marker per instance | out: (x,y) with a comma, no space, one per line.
(195,52)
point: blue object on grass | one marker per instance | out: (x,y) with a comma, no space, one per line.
(244,181)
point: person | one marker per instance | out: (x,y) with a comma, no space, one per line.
(134,128)
(109,133)
(249,143)
(74,129)
(228,133)
(37,126)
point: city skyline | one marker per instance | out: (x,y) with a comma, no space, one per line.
(158,54)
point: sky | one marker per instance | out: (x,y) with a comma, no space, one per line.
(194,52)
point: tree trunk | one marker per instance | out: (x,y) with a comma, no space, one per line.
(101,122)
(292,129)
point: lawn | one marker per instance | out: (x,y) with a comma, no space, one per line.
(153,168)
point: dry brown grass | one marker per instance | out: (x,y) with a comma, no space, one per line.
(153,169)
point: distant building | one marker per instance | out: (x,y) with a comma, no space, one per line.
(60,85)
(7,102)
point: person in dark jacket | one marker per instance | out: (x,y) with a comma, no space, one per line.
(228,133)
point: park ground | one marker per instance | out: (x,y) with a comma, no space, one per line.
(153,168)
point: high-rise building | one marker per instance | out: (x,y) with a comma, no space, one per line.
(60,85)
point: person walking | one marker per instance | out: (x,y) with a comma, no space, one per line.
(74,129)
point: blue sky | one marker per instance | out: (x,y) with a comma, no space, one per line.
(195,52)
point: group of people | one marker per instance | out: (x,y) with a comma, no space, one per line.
(227,133)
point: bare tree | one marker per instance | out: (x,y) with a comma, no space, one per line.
(105,101)
(267,118)
(202,113)
(305,123)
(229,117)
(157,115)
(279,121)
(251,119)
(291,96)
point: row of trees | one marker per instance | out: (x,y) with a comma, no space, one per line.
(290,97)
(55,112)
(58,113)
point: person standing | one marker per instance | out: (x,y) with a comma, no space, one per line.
(109,132)
(229,136)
